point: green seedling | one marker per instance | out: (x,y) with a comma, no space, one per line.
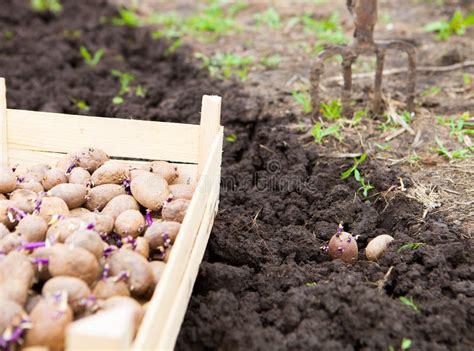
(404,345)
(271,61)
(391,124)
(140,91)
(413,158)
(327,30)
(225,66)
(383,147)
(319,133)
(354,170)
(310,284)
(118,100)
(124,79)
(431,91)
(8,35)
(454,154)
(467,80)
(357,118)
(408,301)
(80,104)
(231,138)
(51,6)
(410,246)
(128,18)
(175,45)
(457,25)
(269,18)
(458,127)
(89,59)
(332,110)
(303,99)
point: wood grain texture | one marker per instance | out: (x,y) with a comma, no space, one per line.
(3,124)
(53,132)
(209,126)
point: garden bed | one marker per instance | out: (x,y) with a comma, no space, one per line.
(264,281)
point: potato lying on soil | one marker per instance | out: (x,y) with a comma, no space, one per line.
(32,228)
(182,191)
(88,240)
(141,275)
(10,243)
(377,246)
(37,187)
(159,232)
(78,212)
(3,231)
(59,231)
(74,195)
(120,204)
(54,177)
(118,301)
(10,312)
(158,268)
(79,175)
(108,287)
(5,205)
(7,180)
(77,291)
(103,224)
(49,320)
(98,196)
(343,246)
(130,222)
(53,206)
(25,199)
(88,158)
(111,172)
(175,210)
(164,169)
(150,190)
(73,261)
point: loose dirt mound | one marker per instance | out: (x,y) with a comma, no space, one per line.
(265,283)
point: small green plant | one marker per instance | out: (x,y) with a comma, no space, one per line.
(458,127)
(332,110)
(225,66)
(124,79)
(454,154)
(467,80)
(357,118)
(140,91)
(319,133)
(82,105)
(457,25)
(413,158)
(310,284)
(404,345)
(410,246)
(271,61)
(231,138)
(127,17)
(328,30)
(408,301)
(383,147)
(269,18)
(431,91)
(303,99)
(89,59)
(51,6)
(354,170)
(8,35)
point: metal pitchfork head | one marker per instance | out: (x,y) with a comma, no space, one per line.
(364,13)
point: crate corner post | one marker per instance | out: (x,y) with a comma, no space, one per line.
(209,127)
(3,124)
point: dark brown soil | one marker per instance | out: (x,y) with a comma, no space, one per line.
(265,284)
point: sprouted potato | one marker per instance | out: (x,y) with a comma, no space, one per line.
(343,246)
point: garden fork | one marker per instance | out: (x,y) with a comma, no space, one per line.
(364,13)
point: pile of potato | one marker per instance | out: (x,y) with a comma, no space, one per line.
(87,235)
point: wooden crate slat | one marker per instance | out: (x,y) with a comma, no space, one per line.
(53,132)
(162,300)
(168,337)
(25,158)
(3,124)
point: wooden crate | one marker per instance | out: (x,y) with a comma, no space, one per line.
(37,137)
